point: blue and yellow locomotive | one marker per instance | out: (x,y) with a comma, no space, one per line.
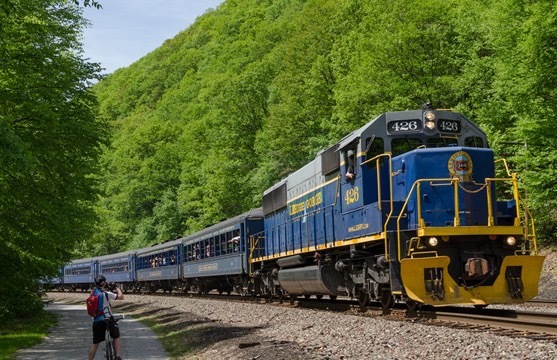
(408,208)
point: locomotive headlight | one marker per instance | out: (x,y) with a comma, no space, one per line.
(429,120)
(432,241)
(511,241)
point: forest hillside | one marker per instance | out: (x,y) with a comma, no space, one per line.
(202,125)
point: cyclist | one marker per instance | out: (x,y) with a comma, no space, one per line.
(109,292)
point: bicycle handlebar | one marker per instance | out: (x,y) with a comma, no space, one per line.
(116,317)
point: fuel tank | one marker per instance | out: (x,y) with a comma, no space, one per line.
(312,280)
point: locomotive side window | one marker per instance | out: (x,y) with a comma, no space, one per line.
(474,141)
(375,146)
(350,163)
(402,145)
(441,142)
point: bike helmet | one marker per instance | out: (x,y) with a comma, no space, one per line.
(100,280)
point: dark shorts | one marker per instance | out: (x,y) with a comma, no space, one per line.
(99,330)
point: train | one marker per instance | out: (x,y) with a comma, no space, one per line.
(413,207)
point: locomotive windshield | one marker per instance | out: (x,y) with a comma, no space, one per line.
(402,145)
(441,142)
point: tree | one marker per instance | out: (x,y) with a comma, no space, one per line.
(252,91)
(50,141)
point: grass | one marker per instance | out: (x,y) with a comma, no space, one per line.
(23,333)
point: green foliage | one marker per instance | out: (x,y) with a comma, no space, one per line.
(50,142)
(250,92)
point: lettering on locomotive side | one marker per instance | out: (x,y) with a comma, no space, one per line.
(352,195)
(358,227)
(313,201)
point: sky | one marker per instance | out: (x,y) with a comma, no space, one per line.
(124,31)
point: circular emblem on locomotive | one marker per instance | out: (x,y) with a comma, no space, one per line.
(460,165)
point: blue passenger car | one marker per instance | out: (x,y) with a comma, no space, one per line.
(80,274)
(217,258)
(119,268)
(157,267)
(55,282)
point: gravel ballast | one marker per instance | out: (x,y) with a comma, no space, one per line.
(233,330)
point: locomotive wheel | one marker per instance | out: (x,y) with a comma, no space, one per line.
(307,296)
(387,300)
(363,299)
(319,297)
(245,290)
(413,305)
(281,296)
(333,297)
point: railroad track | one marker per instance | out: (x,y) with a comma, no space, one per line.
(535,325)
(543,302)
(515,323)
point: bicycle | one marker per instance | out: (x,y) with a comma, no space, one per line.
(109,343)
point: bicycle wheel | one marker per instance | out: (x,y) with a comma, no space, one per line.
(109,350)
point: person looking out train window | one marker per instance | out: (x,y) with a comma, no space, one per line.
(234,243)
(350,165)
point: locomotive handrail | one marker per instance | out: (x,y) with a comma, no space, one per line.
(443,184)
(434,253)
(390,160)
(491,219)
(253,240)
(416,186)
(504,161)
(529,219)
